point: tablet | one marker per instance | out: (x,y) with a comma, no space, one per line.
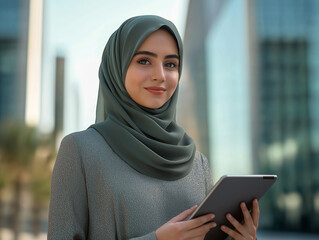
(226,196)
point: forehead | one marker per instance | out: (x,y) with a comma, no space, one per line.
(160,40)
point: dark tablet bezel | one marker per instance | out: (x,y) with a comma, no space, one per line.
(227,194)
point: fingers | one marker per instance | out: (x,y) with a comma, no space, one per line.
(191,229)
(231,233)
(196,222)
(247,229)
(199,227)
(182,216)
(247,217)
(202,230)
(238,226)
(255,212)
(240,232)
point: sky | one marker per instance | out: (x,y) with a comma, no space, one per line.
(78,31)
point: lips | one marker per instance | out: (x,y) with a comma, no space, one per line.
(156,90)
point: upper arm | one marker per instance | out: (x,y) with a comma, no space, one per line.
(68,212)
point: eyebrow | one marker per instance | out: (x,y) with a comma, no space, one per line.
(155,55)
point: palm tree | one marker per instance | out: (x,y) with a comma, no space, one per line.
(3,182)
(18,144)
(41,179)
(40,190)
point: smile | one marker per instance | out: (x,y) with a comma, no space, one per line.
(156,90)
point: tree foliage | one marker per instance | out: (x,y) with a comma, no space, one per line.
(25,163)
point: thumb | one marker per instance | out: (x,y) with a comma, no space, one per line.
(182,216)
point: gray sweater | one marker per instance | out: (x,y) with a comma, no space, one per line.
(96,195)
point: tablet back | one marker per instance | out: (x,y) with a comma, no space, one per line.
(226,196)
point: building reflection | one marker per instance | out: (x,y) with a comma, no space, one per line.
(13,58)
(287,140)
(253,66)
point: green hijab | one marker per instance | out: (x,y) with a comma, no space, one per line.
(149,140)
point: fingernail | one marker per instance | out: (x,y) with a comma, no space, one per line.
(212,216)
(214,225)
(229,215)
(222,227)
(243,204)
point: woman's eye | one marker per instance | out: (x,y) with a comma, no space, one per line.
(171,65)
(144,61)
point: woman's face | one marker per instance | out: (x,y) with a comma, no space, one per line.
(152,75)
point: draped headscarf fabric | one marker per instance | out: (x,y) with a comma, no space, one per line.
(149,140)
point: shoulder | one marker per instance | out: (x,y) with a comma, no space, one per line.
(201,165)
(85,135)
(200,159)
(84,139)
(89,148)
(87,144)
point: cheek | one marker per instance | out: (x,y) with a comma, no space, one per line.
(173,83)
(135,75)
(131,81)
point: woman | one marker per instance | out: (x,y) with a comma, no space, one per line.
(133,173)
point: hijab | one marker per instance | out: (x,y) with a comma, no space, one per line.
(149,140)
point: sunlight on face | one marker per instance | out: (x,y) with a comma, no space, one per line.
(152,75)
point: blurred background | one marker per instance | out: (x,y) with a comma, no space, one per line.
(249,97)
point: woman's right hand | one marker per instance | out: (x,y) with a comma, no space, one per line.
(178,229)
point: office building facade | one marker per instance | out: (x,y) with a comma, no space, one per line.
(262,95)
(287,136)
(13,58)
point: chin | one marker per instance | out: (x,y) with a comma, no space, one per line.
(153,106)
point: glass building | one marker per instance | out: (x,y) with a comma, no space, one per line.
(261,83)
(13,58)
(287,136)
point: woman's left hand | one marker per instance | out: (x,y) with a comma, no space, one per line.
(248,228)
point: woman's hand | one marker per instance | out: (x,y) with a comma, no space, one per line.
(246,230)
(178,229)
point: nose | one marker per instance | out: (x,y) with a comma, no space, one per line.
(158,72)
